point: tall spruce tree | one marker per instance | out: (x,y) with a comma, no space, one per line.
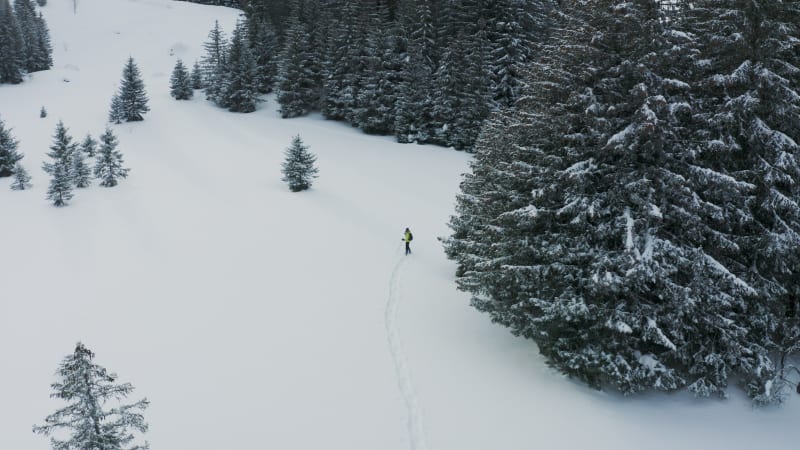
(265,47)
(109,164)
(80,172)
(9,156)
(298,169)
(241,89)
(87,419)
(132,96)
(749,97)
(214,64)
(180,82)
(12,47)
(591,225)
(300,73)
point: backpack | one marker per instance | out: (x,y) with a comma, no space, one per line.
(410,237)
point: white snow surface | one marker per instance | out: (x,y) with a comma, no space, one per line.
(252,317)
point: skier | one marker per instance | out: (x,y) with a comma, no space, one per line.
(407,236)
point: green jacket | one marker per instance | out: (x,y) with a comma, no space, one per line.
(408,236)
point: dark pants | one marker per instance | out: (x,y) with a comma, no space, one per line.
(408,247)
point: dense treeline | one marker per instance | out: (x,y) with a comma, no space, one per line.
(24,41)
(424,71)
(638,214)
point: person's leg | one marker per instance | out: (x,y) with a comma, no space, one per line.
(408,247)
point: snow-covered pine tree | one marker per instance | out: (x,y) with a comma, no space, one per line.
(60,189)
(61,153)
(41,2)
(345,66)
(298,168)
(132,96)
(22,180)
(9,156)
(241,89)
(89,146)
(749,95)
(108,166)
(377,96)
(197,76)
(81,173)
(42,113)
(264,45)
(116,114)
(215,68)
(586,224)
(180,82)
(12,50)
(299,76)
(415,90)
(26,18)
(42,56)
(87,421)
(460,104)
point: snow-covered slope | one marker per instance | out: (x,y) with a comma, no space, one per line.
(257,318)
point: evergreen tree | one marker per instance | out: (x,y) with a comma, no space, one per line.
(12,48)
(60,169)
(87,387)
(264,46)
(747,66)
(60,189)
(415,91)
(215,66)
(9,156)
(116,114)
(25,12)
(22,180)
(298,169)
(180,83)
(132,97)
(346,65)
(241,89)
(197,76)
(592,224)
(89,146)
(41,56)
(108,167)
(81,174)
(42,113)
(41,2)
(299,76)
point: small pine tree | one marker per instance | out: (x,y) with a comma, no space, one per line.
(180,83)
(132,95)
(116,115)
(89,146)
(108,168)
(298,168)
(42,113)
(81,173)
(60,190)
(61,152)
(197,76)
(8,151)
(241,88)
(22,180)
(87,387)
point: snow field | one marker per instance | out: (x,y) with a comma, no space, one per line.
(253,317)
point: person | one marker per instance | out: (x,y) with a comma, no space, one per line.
(407,236)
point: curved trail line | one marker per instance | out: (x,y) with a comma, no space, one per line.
(416,433)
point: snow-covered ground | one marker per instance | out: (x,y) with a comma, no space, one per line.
(257,318)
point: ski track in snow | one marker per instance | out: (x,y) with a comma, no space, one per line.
(416,433)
